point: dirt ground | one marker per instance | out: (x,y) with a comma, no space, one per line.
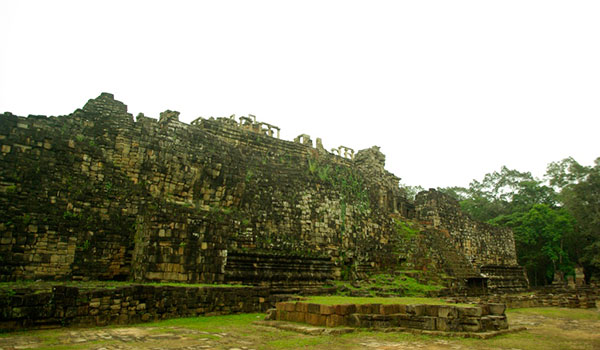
(559,329)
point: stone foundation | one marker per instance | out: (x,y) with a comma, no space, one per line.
(74,306)
(571,300)
(481,318)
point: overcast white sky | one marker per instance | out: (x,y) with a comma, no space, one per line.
(450,90)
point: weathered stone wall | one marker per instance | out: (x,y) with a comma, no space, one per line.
(573,301)
(475,239)
(65,210)
(481,318)
(97,195)
(73,306)
(472,249)
(580,298)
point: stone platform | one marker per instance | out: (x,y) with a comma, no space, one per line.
(445,318)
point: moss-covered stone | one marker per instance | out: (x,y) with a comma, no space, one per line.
(97,195)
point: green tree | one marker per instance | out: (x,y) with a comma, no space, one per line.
(409,192)
(456,192)
(502,193)
(539,237)
(556,221)
(580,194)
(566,172)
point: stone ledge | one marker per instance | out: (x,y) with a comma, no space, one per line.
(480,318)
(310,330)
(74,306)
(574,299)
(304,329)
(478,335)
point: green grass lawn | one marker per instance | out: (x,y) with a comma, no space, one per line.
(338,300)
(558,313)
(549,329)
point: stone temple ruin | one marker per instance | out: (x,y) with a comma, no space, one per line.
(95,195)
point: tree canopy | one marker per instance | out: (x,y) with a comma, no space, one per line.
(556,220)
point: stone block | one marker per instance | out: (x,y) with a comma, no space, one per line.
(431,310)
(302,307)
(494,323)
(470,312)
(471,324)
(334,321)
(417,310)
(485,309)
(447,311)
(314,319)
(429,323)
(296,316)
(353,320)
(313,308)
(408,321)
(362,320)
(497,309)
(443,324)
(327,310)
(346,309)
(389,309)
(339,320)
(363,309)
(281,315)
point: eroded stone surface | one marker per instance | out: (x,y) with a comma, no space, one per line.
(97,195)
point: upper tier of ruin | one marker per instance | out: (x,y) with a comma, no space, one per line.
(99,195)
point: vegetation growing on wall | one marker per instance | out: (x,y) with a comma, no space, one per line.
(406,229)
(386,285)
(345,180)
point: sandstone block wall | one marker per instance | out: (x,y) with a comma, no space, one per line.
(481,318)
(580,298)
(95,195)
(74,306)
(472,250)
(99,195)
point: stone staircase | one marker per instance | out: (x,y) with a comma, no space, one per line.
(453,263)
(505,279)
(277,270)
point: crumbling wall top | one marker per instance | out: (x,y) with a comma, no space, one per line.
(168,116)
(106,105)
(371,157)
